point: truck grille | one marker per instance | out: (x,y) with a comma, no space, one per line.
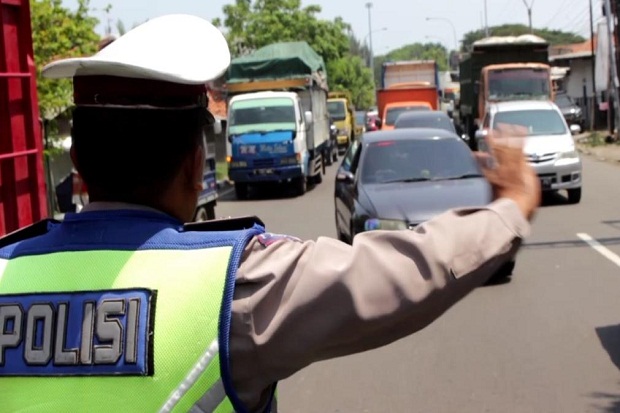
(264,163)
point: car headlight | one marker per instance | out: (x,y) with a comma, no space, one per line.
(333,127)
(384,224)
(572,154)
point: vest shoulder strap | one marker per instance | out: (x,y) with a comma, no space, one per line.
(38,228)
(220,225)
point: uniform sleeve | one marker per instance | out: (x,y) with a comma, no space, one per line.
(301,302)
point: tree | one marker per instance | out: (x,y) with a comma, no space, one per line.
(349,73)
(251,25)
(58,32)
(554,37)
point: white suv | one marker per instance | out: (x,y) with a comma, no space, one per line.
(549,147)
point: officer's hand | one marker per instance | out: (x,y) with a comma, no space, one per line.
(507,170)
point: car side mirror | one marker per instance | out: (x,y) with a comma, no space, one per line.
(345,177)
(575,129)
(308,118)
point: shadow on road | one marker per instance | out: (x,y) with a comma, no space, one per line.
(572,243)
(610,340)
(263,192)
(550,199)
(612,402)
(613,224)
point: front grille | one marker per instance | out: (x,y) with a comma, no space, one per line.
(264,163)
(537,158)
(551,178)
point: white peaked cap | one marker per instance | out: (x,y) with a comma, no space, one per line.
(175,48)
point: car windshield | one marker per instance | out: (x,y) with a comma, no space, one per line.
(394,113)
(337,110)
(537,121)
(417,160)
(431,121)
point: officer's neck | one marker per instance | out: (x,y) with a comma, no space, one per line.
(173,203)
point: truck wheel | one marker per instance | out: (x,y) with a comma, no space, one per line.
(327,158)
(241,190)
(205,213)
(318,178)
(300,185)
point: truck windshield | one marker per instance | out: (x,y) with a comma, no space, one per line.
(519,84)
(538,121)
(265,114)
(337,109)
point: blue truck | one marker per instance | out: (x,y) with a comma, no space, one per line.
(278,123)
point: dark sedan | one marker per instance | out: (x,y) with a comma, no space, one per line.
(570,110)
(430,119)
(394,180)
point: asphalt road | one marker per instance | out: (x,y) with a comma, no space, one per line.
(548,341)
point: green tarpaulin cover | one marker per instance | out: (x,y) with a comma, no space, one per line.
(277,61)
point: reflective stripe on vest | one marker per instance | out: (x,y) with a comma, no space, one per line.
(186,288)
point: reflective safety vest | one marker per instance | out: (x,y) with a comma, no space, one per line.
(120,311)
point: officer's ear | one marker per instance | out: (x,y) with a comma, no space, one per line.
(196,168)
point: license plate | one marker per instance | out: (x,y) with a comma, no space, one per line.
(263,171)
(545,183)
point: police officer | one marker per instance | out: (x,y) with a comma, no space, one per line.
(122,307)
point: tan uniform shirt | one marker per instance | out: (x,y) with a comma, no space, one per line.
(301,302)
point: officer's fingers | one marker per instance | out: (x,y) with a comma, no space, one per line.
(511,129)
(487,165)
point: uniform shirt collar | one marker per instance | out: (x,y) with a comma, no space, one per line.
(112,206)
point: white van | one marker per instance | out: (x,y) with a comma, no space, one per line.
(549,147)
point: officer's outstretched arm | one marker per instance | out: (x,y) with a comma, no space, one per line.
(297,303)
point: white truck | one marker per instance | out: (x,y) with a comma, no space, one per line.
(278,123)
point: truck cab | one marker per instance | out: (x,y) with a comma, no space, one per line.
(514,81)
(341,110)
(267,140)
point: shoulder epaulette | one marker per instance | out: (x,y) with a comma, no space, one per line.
(230,224)
(31,231)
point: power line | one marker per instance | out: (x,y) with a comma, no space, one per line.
(565,6)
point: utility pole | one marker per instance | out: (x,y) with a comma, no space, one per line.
(529,13)
(611,28)
(486,20)
(372,54)
(593,109)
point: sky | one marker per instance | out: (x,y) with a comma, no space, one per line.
(393,23)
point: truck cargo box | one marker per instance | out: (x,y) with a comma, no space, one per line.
(23,198)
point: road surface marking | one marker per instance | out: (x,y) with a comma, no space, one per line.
(598,247)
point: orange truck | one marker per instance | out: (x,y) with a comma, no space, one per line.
(407,86)
(504,68)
